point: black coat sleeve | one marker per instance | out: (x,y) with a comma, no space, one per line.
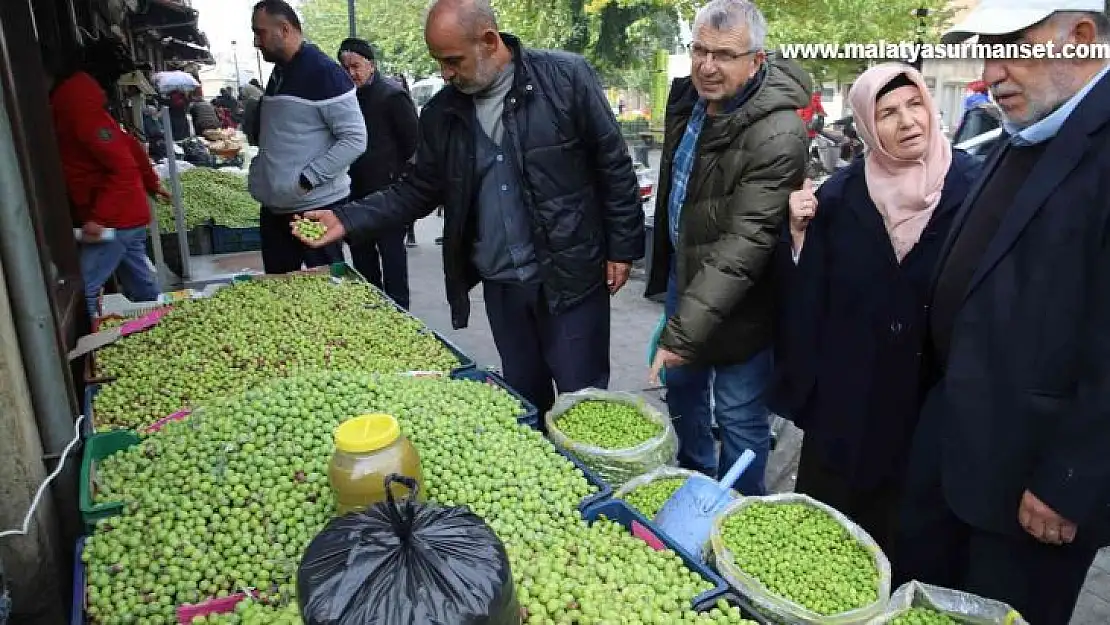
(803,285)
(404,124)
(1073,477)
(413,197)
(616,181)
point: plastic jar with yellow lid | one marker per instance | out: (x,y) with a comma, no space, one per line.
(367,449)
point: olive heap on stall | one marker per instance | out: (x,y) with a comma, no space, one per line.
(923,616)
(229,498)
(608,424)
(801,553)
(650,497)
(252,332)
(210,196)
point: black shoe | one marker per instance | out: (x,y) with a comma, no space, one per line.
(410,243)
(439,240)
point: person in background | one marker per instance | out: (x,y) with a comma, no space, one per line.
(977,93)
(813,114)
(204,115)
(1008,487)
(541,203)
(251,94)
(178,101)
(108,177)
(734,147)
(152,128)
(848,370)
(393,130)
(309,130)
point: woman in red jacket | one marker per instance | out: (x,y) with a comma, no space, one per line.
(109,179)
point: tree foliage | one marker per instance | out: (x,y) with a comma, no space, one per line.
(396,27)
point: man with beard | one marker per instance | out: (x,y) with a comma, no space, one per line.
(309,130)
(540,199)
(1008,489)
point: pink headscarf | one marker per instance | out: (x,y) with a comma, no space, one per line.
(906,192)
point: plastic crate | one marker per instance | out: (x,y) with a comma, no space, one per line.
(87,406)
(529,416)
(77,608)
(199,240)
(228,240)
(620,512)
(98,447)
(185,613)
(604,492)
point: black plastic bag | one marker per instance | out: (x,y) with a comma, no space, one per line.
(407,563)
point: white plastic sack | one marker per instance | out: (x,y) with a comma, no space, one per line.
(780,608)
(175,81)
(959,605)
(163,169)
(615,466)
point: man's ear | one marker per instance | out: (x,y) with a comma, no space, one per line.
(491,38)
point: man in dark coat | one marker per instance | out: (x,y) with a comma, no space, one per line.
(1008,494)
(392,130)
(541,202)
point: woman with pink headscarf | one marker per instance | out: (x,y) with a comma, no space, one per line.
(852,327)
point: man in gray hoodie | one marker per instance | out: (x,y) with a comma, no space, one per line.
(309,128)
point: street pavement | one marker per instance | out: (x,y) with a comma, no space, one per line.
(634,319)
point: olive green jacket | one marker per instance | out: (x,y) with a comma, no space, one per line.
(748,161)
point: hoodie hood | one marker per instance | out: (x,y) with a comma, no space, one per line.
(785,86)
(77,94)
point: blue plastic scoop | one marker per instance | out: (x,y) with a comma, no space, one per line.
(687,517)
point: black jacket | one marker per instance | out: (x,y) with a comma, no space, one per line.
(1024,401)
(392,130)
(851,331)
(581,190)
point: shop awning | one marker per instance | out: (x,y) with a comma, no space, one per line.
(179,50)
(174,25)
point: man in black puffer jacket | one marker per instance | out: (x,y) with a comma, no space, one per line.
(541,201)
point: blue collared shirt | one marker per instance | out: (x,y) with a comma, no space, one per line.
(1048,127)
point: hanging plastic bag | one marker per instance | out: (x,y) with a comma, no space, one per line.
(615,466)
(407,562)
(961,606)
(773,605)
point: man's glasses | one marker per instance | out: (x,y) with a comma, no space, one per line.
(701,53)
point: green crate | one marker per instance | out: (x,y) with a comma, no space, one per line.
(98,447)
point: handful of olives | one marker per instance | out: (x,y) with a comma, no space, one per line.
(309,228)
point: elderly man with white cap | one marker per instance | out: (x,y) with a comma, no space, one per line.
(1008,494)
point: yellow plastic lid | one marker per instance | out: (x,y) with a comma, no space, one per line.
(366,433)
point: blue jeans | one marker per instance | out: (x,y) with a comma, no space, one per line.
(125,256)
(735,396)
